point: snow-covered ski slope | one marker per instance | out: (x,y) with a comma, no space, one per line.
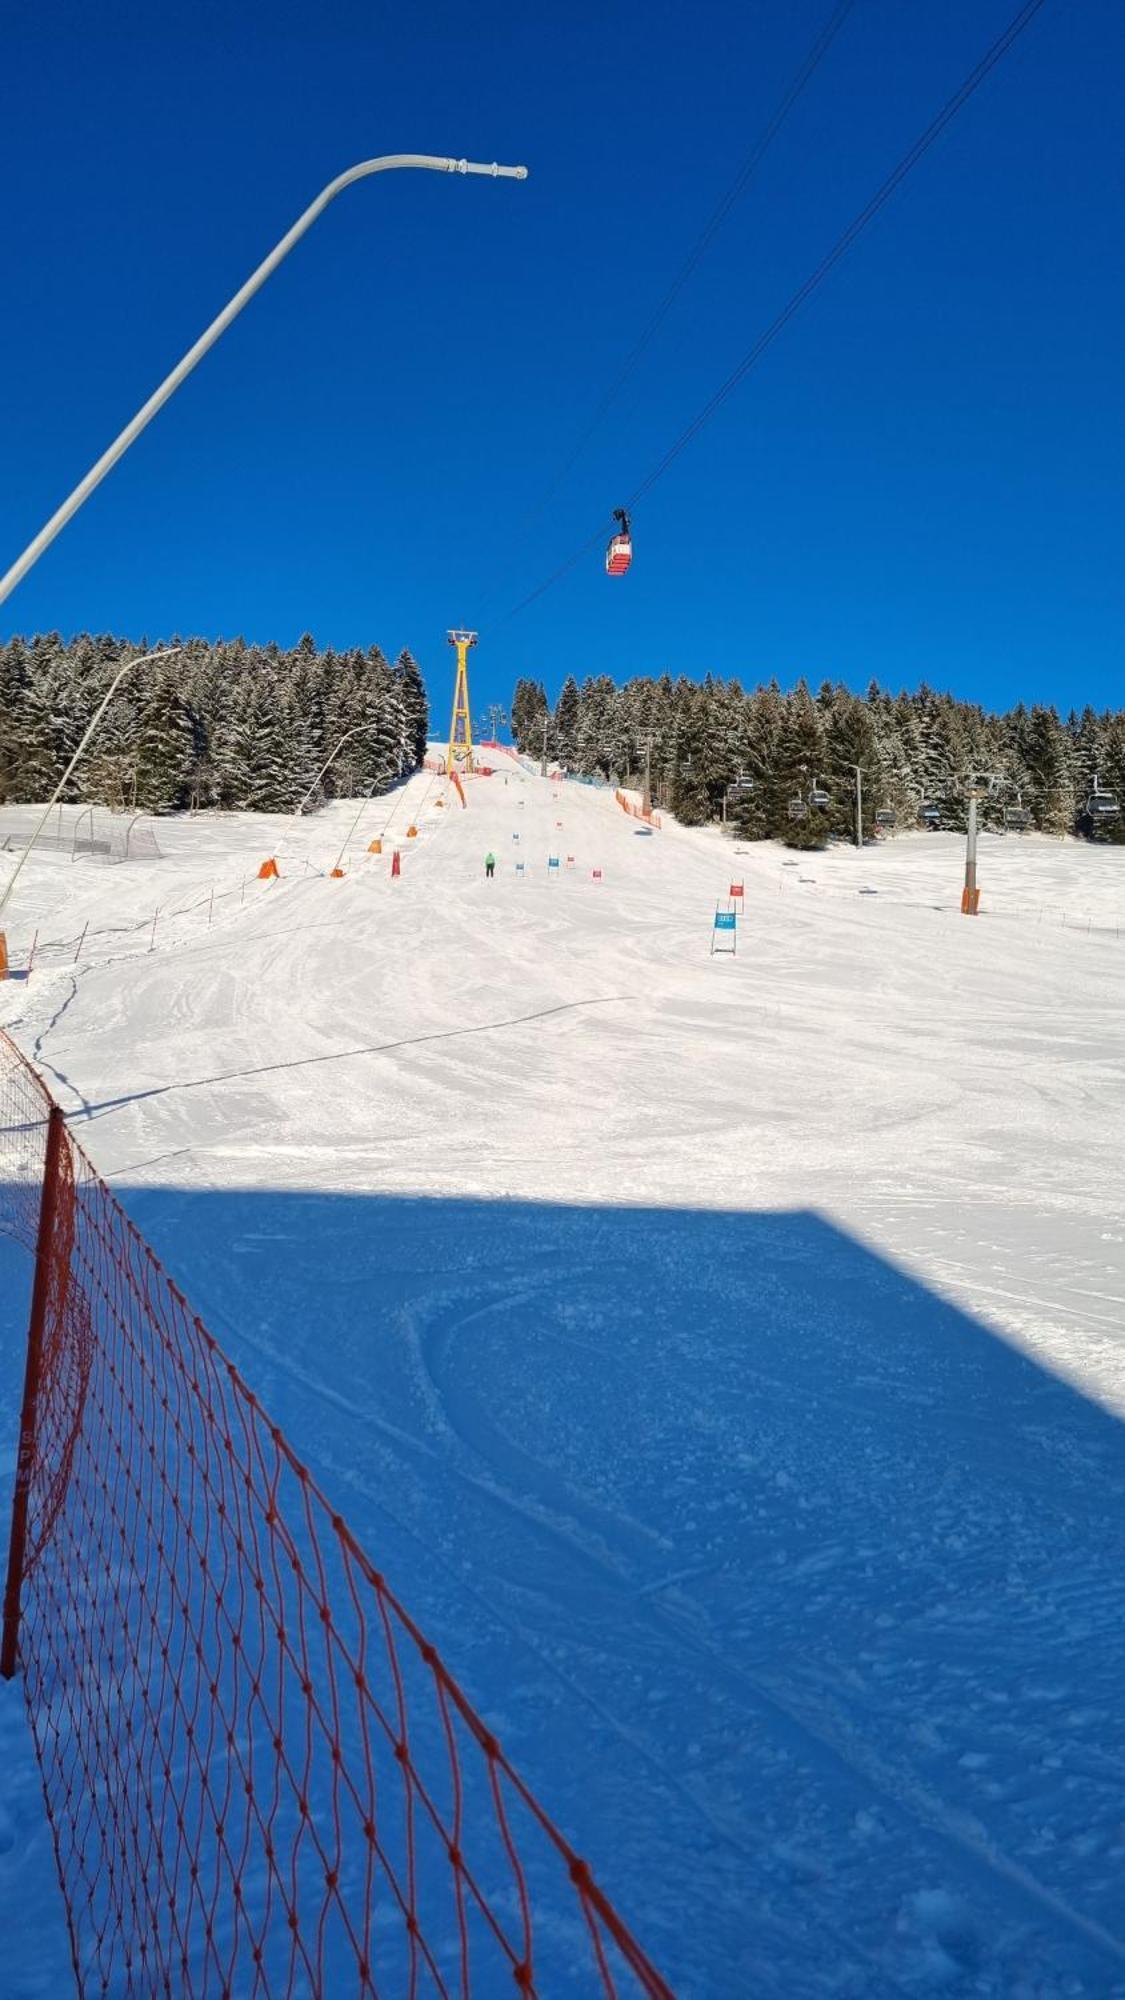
(724,1358)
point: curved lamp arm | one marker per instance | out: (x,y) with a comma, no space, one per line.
(359,730)
(142,660)
(218,326)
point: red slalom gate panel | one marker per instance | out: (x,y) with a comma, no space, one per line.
(261,1777)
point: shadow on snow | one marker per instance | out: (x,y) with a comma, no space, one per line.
(793,1589)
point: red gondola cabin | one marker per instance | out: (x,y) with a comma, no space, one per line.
(619,554)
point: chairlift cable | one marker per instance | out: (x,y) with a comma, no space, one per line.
(828,263)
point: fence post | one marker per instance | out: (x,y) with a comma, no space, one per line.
(25,1464)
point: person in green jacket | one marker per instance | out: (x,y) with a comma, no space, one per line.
(490,864)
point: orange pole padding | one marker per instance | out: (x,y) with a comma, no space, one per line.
(267,870)
(335,875)
(970,902)
(458,786)
(376,847)
(396,863)
(411,833)
(3,956)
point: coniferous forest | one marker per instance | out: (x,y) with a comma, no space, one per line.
(221,724)
(914,751)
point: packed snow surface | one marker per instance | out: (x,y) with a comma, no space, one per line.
(723,1356)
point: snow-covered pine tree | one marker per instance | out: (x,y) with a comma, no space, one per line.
(14,681)
(529,706)
(1045,777)
(163,741)
(415,707)
(851,740)
(800,763)
(567,716)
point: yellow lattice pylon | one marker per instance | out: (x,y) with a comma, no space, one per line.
(461,727)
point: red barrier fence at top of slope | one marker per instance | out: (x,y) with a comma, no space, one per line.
(636,812)
(261,1778)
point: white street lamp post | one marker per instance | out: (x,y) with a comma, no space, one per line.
(347,735)
(142,660)
(218,326)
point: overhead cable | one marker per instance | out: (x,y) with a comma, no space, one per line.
(839,250)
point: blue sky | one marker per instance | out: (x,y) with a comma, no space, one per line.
(922,479)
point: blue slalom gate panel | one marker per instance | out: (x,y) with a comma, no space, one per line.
(726,927)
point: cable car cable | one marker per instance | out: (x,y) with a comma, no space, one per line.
(839,250)
(711,228)
(734,192)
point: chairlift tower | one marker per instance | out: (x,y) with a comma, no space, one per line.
(495,717)
(858,770)
(979,784)
(460,727)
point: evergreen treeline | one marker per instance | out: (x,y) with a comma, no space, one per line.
(915,750)
(221,724)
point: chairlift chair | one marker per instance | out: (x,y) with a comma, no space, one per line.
(930,815)
(885,817)
(1102,803)
(818,797)
(1017,818)
(797,808)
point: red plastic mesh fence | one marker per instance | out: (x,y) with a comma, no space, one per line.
(24,1110)
(261,1778)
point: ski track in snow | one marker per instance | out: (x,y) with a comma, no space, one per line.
(723,1358)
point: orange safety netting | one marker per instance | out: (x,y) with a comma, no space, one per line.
(261,1778)
(637,812)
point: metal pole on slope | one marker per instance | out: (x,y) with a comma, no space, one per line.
(970,894)
(385,163)
(858,774)
(142,659)
(337,865)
